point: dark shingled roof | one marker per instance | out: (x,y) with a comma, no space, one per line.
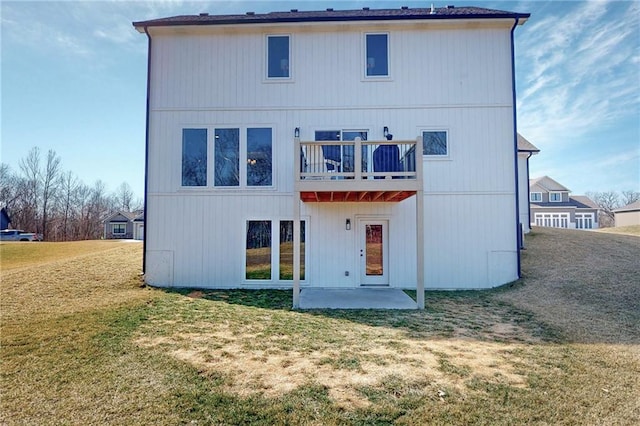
(331,15)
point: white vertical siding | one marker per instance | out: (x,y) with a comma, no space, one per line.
(448,78)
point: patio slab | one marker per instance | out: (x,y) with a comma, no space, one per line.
(355,298)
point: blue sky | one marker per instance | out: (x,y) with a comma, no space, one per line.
(74,80)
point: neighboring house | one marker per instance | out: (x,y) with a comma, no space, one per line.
(124,225)
(271,161)
(628,215)
(553,206)
(5,220)
(525,150)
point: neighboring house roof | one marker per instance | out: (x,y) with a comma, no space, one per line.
(526,146)
(629,207)
(330,15)
(548,184)
(583,199)
(578,201)
(121,216)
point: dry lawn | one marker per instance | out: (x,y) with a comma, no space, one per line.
(84,343)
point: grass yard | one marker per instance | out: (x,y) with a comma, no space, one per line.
(84,342)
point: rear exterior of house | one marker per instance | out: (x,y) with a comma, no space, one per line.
(378,144)
(553,206)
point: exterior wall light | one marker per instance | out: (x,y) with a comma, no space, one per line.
(296,132)
(347,225)
(385,131)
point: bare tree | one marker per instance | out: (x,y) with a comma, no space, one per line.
(124,196)
(30,167)
(629,197)
(608,201)
(50,184)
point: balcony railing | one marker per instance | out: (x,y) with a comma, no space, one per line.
(330,166)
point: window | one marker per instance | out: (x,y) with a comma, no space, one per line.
(555,197)
(554,220)
(584,220)
(435,143)
(377,55)
(535,197)
(118,228)
(194,157)
(286,249)
(341,158)
(258,250)
(227,156)
(278,56)
(259,165)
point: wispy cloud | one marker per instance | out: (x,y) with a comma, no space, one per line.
(578,69)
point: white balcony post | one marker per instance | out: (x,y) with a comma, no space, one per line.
(357,159)
(296,225)
(419,225)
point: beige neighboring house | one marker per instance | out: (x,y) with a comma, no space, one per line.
(552,206)
(628,215)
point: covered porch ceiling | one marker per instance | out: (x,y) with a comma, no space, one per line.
(354,196)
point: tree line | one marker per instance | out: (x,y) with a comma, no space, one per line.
(42,197)
(608,201)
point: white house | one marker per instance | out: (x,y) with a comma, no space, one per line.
(332,149)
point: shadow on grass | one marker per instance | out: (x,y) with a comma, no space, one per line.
(469,314)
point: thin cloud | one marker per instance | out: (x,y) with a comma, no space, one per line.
(578,70)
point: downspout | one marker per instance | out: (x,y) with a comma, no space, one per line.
(515,145)
(146,155)
(528,194)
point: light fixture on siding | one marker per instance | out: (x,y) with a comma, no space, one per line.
(296,132)
(385,131)
(347,225)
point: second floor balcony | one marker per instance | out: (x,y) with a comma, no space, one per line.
(357,171)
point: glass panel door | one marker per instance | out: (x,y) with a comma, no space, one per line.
(374,256)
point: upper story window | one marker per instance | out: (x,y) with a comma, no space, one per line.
(278,56)
(535,197)
(194,157)
(435,143)
(377,55)
(229,146)
(555,197)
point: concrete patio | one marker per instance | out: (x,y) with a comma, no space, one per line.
(355,298)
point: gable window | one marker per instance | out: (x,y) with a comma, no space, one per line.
(377,55)
(555,197)
(535,197)
(119,228)
(278,52)
(194,157)
(435,143)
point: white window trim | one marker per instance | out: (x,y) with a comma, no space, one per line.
(265,65)
(113,226)
(242,187)
(275,251)
(366,77)
(531,197)
(555,201)
(446,157)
